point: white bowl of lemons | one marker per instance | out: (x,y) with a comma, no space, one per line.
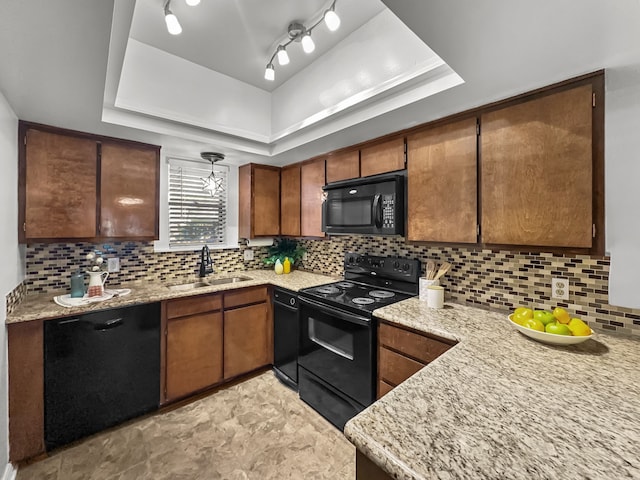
(554,328)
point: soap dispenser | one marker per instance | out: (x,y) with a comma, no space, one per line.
(278,268)
(286,266)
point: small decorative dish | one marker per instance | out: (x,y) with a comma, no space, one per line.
(549,338)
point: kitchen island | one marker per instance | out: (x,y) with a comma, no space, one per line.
(499,405)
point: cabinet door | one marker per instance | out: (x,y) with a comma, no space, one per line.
(266,201)
(382,158)
(537,171)
(290,201)
(247,340)
(442,183)
(194,353)
(129,181)
(312,179)
(343,166)
(259,201)
(60,186)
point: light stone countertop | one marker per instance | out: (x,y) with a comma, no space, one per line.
(499,405)
(41,306)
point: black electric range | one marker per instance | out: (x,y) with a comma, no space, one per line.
(337,350)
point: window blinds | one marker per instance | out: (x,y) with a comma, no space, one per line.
(195,217)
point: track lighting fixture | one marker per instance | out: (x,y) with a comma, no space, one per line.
(173,25)
(297,32)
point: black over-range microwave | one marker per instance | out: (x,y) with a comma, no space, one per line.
(369,206)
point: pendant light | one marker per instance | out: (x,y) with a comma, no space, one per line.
(212,184)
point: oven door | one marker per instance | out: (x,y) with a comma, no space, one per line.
(338,347)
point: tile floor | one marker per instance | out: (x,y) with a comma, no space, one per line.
(257,429)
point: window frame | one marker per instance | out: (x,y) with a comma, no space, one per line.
(231,229)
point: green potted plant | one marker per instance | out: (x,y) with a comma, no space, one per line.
(284,247)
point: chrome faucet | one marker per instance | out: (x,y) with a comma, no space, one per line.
(206,264)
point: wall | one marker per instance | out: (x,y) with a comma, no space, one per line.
(497,279)
(11,258)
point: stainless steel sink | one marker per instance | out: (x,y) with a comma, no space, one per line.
(208,283)
(188,286)
(222,281)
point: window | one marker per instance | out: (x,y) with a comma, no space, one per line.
(195,217)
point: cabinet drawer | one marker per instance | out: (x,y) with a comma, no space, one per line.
(393,368)
(245,296)
(422,348)
(192,305)
(383,388)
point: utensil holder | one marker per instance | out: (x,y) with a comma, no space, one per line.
(423,286)
(435,296)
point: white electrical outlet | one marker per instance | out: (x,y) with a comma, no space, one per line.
(304,256)
(113,264)
(560,288)
(248,254)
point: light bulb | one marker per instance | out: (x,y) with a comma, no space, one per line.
(283,56)
(270,73)
(193,3)
(332,20)
(173,25)
(307,43)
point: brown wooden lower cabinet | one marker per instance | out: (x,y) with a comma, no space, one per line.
(402,352)
(194,353)
(247,342)
(26,390)
(367,470)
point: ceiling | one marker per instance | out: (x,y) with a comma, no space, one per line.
(238,38)
(62,64)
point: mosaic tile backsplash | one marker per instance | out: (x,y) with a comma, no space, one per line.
(496,279)
(485,278)
(49,266)
(15,296)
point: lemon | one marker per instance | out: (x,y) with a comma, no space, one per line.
(579,328)
(561,315)
(523,312)
(533,324)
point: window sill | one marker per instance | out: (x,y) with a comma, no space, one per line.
(164,248)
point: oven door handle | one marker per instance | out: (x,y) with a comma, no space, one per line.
(347,317)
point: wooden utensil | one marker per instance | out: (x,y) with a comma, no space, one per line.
(444,268)
(431,269)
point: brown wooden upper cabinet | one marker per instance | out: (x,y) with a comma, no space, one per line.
(536,174)
(343,166)
(129,181)
(442,183)
(290,200)
(382,157)
(58,176)
(65,176)
(259,192)
(312,179)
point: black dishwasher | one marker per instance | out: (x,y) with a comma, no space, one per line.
(100,369)
(285,336)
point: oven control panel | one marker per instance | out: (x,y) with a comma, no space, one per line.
(405,269)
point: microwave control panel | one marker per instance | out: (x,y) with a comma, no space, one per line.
(388,211)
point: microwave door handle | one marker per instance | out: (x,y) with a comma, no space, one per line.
(377,210)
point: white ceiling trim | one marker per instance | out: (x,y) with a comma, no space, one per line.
(148,88)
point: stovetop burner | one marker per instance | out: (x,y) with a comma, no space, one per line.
(345,285)
(381,294)
(363,301)
(328,290)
